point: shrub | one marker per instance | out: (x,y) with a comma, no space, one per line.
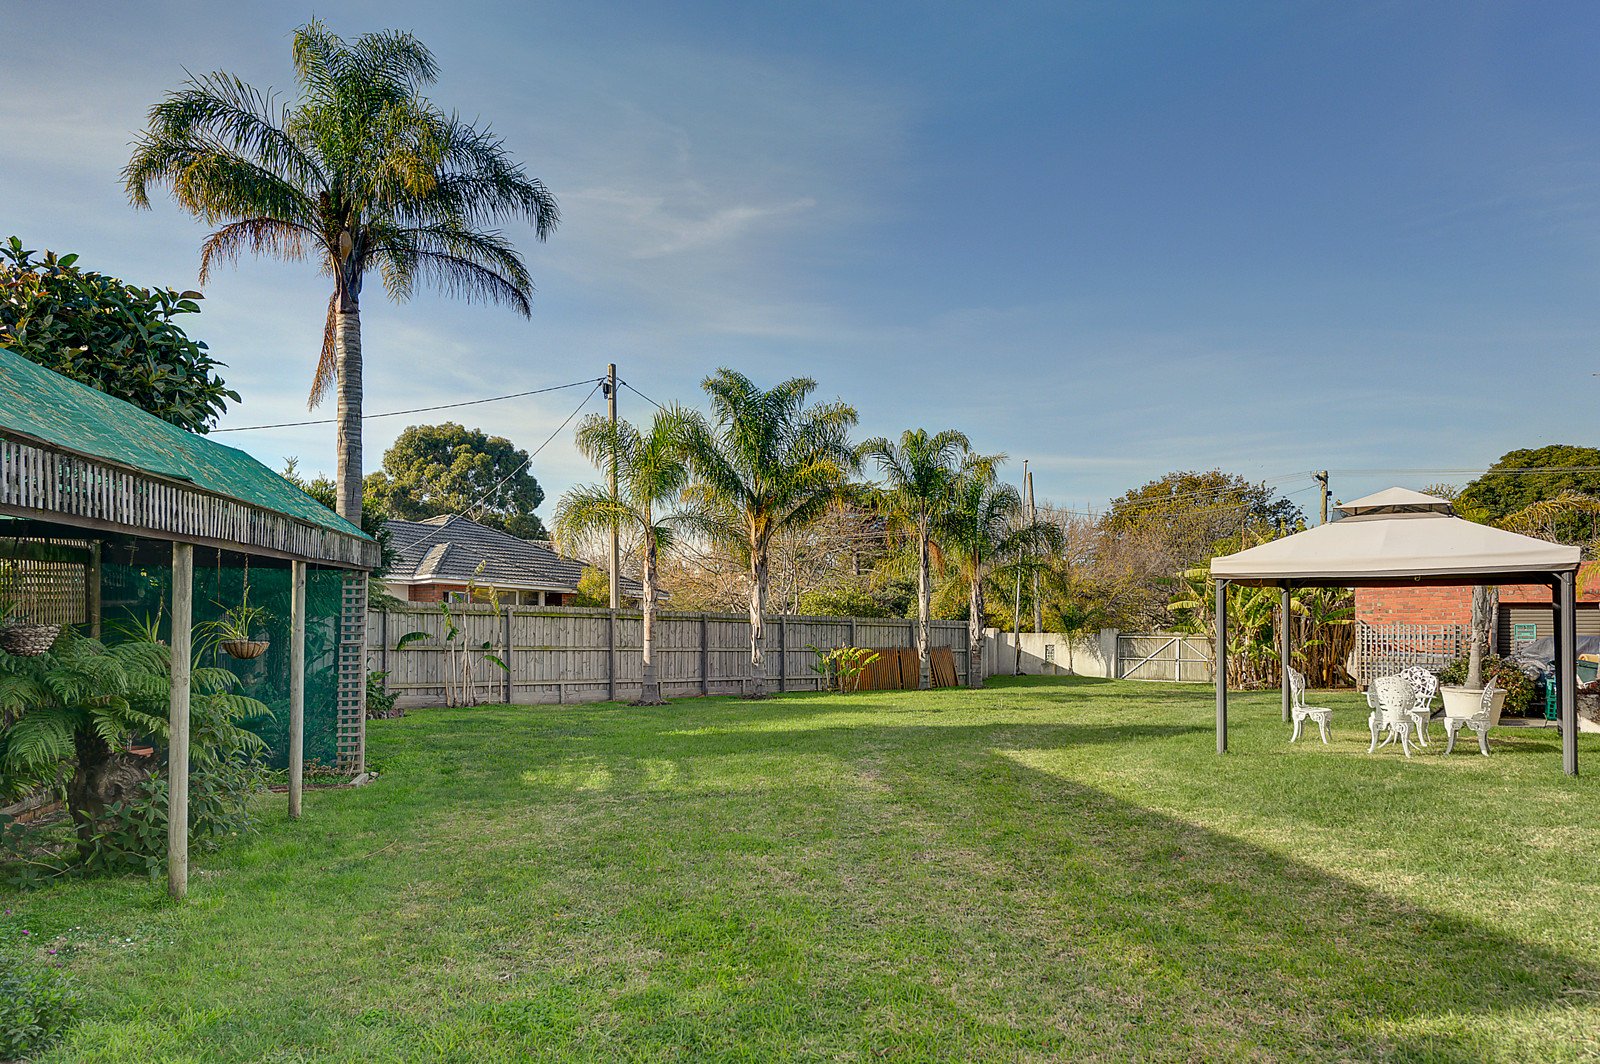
(380,703)
(117,337)
(37,1005)
(132,835)
(1521,692)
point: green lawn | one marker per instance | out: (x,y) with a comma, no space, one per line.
(1040,871)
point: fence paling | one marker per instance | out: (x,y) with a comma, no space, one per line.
(566,655)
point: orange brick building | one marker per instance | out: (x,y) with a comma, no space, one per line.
(1519,604)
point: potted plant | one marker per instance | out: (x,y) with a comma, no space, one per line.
(234,632)
(19,637)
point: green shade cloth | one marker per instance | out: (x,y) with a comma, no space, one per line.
(46,406)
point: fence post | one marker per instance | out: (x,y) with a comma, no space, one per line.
(853,642)
(383,647)
(505,646)
(705,655)
(783,653)
(611,655)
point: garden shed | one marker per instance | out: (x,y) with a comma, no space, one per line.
(111,516)
(1399,537)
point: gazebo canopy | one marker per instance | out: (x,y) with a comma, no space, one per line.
(1397,536)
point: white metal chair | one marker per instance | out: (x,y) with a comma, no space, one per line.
(1300,712)
(1426,685)
(1396,702)
(1479,722)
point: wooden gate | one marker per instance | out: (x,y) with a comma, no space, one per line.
(1169,656)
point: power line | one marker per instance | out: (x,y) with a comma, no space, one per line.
(640,394)
(399,413)
(478,506)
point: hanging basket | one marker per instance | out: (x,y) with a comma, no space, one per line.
(28,640)
(245,649)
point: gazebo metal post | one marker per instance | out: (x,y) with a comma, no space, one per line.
(1284,596)
(297,685)
(1221,660)
(1566,668)
(178,721)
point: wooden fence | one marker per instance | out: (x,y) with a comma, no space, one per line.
(593,655)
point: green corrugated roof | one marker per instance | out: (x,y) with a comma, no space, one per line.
(38,402)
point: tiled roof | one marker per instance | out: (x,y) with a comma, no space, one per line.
(451,549)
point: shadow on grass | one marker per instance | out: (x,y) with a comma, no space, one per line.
(1231,947)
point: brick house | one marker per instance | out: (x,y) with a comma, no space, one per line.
(439,557)
(1520,606)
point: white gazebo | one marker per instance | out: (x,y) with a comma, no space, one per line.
(1398,538)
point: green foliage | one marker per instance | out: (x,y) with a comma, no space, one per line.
(432,470)
(37,1005)
(113,336)
(361,171)
(132,834)
(1500,493)
(1522,694)
(594,589)
(767,460)
(848,600)
(381,702)
(1210,499)
(841,667)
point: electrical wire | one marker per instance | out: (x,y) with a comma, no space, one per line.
(413,410)
(640,394)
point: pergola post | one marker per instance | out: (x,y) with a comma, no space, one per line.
(1566,668)
(178,721)
(1221,659)
(297,685)
(1284,599)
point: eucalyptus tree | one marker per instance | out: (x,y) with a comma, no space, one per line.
(360,172)
(920,473)
(651,477)
(766,461)
(983,531)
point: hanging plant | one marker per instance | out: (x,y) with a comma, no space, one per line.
(19,637)
(234,632)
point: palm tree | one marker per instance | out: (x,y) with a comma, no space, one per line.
(362,172)
(983,529)
(768,463)
(921,472)
(651,476)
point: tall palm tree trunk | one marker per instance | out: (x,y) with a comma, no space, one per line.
(347,336)
(650,694)
(924,595)
(758,632)
(975,633)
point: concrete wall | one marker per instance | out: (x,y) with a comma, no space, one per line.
(1088,655)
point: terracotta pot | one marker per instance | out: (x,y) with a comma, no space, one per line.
(244,649)
(28,640)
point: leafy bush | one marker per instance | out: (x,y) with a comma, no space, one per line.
(132,835)
(109,335)
(380,703)
(37,1005)
(1521,693)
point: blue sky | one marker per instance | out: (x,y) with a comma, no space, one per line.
(1115,239)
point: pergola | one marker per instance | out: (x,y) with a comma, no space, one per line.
(1397,538)
(82,467)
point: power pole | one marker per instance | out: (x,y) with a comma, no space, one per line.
(1038,609)
(1322,478)
(611,482)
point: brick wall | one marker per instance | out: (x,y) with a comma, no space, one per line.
(1414,605)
